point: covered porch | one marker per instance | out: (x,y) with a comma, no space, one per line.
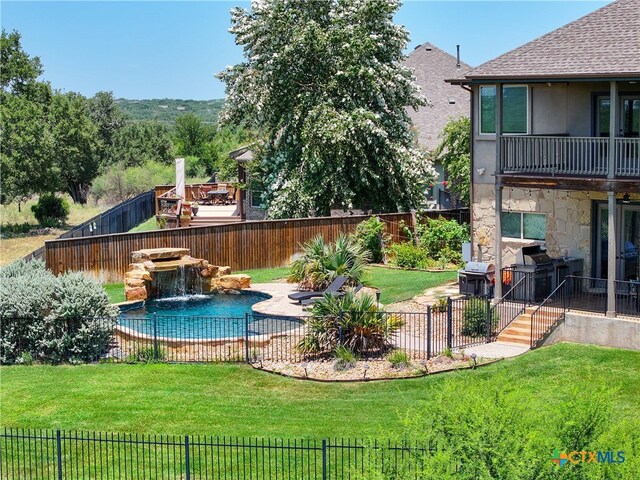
(606,163)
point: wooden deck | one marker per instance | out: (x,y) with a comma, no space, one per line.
(215,215)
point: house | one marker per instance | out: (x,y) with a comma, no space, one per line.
(556,148)
(431,67)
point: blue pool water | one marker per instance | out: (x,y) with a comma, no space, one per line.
(203,317)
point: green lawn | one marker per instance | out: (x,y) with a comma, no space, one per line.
(266,275)
(397,285)
(115,292)
(236,400)
(147,226)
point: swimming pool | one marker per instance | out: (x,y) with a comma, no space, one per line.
(203,317)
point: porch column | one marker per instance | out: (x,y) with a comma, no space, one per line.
(613,110)
(498,194)
(612,261)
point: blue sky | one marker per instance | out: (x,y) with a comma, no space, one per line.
(173,49)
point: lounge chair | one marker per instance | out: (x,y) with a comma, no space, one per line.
(311,301)
(333,288)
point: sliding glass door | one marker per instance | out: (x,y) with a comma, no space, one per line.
(628,248)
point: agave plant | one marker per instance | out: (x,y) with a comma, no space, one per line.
(322,262)
(351,321)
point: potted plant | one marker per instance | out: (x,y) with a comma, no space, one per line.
(185,220)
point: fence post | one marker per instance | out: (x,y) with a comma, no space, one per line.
(186,457)
(246,337)
(59,453)
(155,337)
(428,332)
(449,322)
(488,320)
(324,459)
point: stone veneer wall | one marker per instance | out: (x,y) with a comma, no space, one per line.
(568,221)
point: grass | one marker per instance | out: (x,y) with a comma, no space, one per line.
(115,292)
(14,248)
(78,214)
(395,285)
(237,400)
(147,226)
(398,285)
(266,275)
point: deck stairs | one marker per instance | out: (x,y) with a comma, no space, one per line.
(519,330)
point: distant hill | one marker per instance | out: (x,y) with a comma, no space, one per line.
(167,110)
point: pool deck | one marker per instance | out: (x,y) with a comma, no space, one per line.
(279,303)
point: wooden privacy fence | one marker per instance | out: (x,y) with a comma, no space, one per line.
(242,246)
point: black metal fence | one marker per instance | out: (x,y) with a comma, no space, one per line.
(121,218)
(62,455)
(455,324)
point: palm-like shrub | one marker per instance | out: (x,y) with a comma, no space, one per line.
(354,322)
(322,262)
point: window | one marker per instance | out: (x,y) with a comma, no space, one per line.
(529,226)
(256,199)
(488,109)
(515,109)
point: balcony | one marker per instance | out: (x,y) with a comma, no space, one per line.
(569,157)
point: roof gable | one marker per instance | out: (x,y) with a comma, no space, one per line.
(431,67)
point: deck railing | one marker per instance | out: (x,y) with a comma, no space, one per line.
(569,156)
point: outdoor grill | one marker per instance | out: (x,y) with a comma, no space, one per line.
(477,279)
(544,273)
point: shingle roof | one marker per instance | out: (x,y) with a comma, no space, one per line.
(604,43)
(432,66)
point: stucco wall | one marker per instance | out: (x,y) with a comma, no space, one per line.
(559,108)
(598,330)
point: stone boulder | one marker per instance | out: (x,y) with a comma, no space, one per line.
(224,271)
(135,293)
(235,282)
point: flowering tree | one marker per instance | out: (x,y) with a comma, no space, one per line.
(323,85)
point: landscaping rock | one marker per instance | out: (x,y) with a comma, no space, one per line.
(135,293)
(224,271)
(235,282)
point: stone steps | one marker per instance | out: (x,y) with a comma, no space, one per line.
(519,330)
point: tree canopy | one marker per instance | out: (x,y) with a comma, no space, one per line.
(323,86)
(454,152)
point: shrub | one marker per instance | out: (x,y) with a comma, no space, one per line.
(370,234)
(471,431)
(345,358)
(322,262)
(52,319)
(399,359)
(474,317)
(443,238)
(51,211)
(146,355)
(408,255)
(351,321)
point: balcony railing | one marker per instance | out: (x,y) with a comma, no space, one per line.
(570,156)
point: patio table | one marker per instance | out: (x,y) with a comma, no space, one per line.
(218,196)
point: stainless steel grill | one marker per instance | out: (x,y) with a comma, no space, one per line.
(477,278)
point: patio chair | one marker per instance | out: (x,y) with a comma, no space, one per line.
(336,285)
(311,301)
